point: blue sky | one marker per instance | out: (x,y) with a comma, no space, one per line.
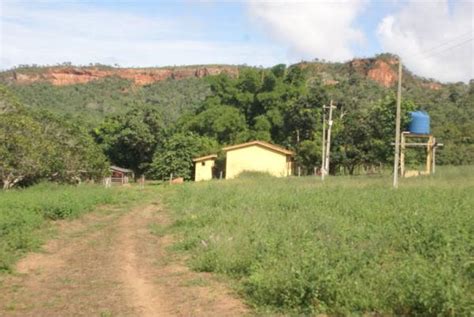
(162,33)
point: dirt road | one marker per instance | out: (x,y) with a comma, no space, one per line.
(113,263)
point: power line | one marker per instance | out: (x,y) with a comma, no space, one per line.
(448,41)
(441,45)
(450,48)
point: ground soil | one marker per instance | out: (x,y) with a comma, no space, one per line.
(113,262)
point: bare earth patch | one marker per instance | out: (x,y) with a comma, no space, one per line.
(110,264)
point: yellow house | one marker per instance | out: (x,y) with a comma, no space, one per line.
(258,156)
(203,167)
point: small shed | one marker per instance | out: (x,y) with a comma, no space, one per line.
(203,167)
(258,156)
(120,175)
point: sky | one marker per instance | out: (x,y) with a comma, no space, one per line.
(434,38)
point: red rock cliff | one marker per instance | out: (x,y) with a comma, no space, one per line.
(78,75)
(378,70)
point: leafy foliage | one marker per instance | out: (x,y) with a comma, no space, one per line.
(130,139)
(90,103)
(39,145)
(282,105)
(176,155)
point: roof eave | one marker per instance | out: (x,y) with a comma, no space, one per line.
(260,143)
(205,158)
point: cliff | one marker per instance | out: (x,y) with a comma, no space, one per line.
(60,76)
(381,69)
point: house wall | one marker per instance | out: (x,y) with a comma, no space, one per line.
(256,158)
(203,172)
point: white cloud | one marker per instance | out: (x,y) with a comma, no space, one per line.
(51,34)
(432,38)
(312,29)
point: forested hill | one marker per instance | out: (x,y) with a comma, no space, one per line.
(223,104)
(95,91)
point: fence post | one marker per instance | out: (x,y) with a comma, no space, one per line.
(107,182)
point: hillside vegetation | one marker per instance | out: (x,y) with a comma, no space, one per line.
(349,246)
(38,145)
(145,127)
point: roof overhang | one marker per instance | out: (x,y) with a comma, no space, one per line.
(120,169)
(263,144)
(205,158)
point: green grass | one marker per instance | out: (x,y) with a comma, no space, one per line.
(23,213)
(350,246)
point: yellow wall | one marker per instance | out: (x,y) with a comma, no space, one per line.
(256,158)
(203,172)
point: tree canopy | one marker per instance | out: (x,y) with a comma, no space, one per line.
(39,145)
(157,128)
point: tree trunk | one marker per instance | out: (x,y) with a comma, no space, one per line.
(6,184)
(11,181)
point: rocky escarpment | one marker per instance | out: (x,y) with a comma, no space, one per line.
(382,70)
(60,76)
(379,70)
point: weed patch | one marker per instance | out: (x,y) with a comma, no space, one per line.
(24,212)
(349,246)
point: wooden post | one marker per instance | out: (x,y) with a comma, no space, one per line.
(299,171)
(315,170)
(402,155)
(328,143)
(323,152)
(397,126)
(429,155)
(220,175)
(171,177)
(434,156)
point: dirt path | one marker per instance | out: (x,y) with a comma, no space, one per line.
(113,263)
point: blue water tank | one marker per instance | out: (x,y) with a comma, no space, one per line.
(419,122)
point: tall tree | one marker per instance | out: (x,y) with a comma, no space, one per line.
(130,139)
(175,157)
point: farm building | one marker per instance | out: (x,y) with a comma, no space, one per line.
(120,175)
(203,167)
(258,156)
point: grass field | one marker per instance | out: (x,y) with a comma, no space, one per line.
(23,213)
(349,246)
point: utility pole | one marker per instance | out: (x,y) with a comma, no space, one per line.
(323,152)
(328,142)
(397,126)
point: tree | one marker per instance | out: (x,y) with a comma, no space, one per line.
(74,154)
(41,146)
(381,125)
(130,139)
(225,124)
(309,155)
(23,153)
(176,155)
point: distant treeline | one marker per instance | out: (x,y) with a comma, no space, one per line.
(156,129)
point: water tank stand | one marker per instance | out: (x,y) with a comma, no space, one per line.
(430,145)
